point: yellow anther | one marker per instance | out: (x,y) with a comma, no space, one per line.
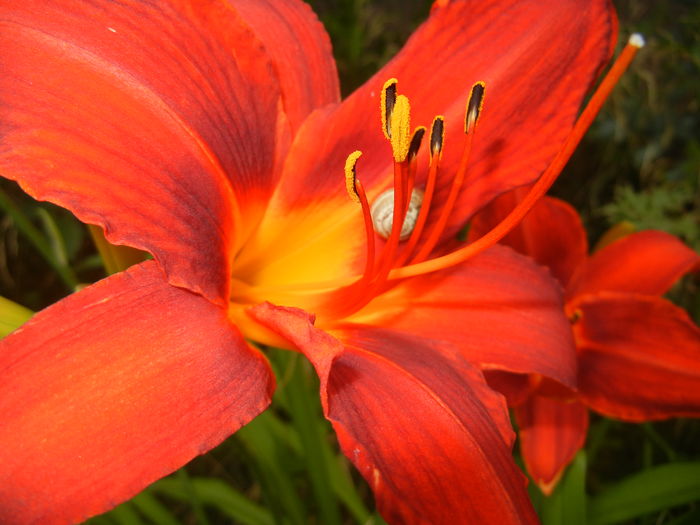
(400,125)
(351,174)
(388,100)
(437,137)
(416,141)
(474,106)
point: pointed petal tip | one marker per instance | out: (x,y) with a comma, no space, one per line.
(551,433)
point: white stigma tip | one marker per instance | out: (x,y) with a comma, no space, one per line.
(636,40)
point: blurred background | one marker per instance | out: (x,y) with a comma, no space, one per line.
(640,163)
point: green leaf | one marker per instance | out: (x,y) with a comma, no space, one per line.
(215,493)
(40,242)
(125,514)
(567,505)
(375,519)
(192,496)
(154,510)
(649,491)
(12,316)
(298,393)
(345,489)
(275,454)
(689,518)
(302,394)
(54,237)
(102,519)
(115,258)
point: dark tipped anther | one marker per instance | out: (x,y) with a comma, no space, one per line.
(416,141)
(474,106)
(437,135)
(388,102)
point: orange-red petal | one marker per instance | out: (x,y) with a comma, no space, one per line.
(647,262)
(639,359)
(142,117)
(551,432)
(420,424)
(113,388)
(300,50)
(516,388)
(552,233)
(499,308)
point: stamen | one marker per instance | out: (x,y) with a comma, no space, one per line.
(416,141)
(388,100)
(437,137)
(546,179)
(387,256)
(351,175)
(357,193)
(396,111)
(400,128)
(413,149)
(474,106)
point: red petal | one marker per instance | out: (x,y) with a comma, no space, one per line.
(551,432)
(499,308)
(640,358)
(516,388)
(139,117)
(300,48)
(417,422)
(113,388)
(551,233)
(538,59)
(648,262)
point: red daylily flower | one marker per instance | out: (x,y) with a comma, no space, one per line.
(210,135)
(638,354)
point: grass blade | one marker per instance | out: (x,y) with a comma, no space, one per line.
(567,506)
(12,316)
(649,491)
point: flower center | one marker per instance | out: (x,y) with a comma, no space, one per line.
(403,204)
(398,205)
(404,223)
